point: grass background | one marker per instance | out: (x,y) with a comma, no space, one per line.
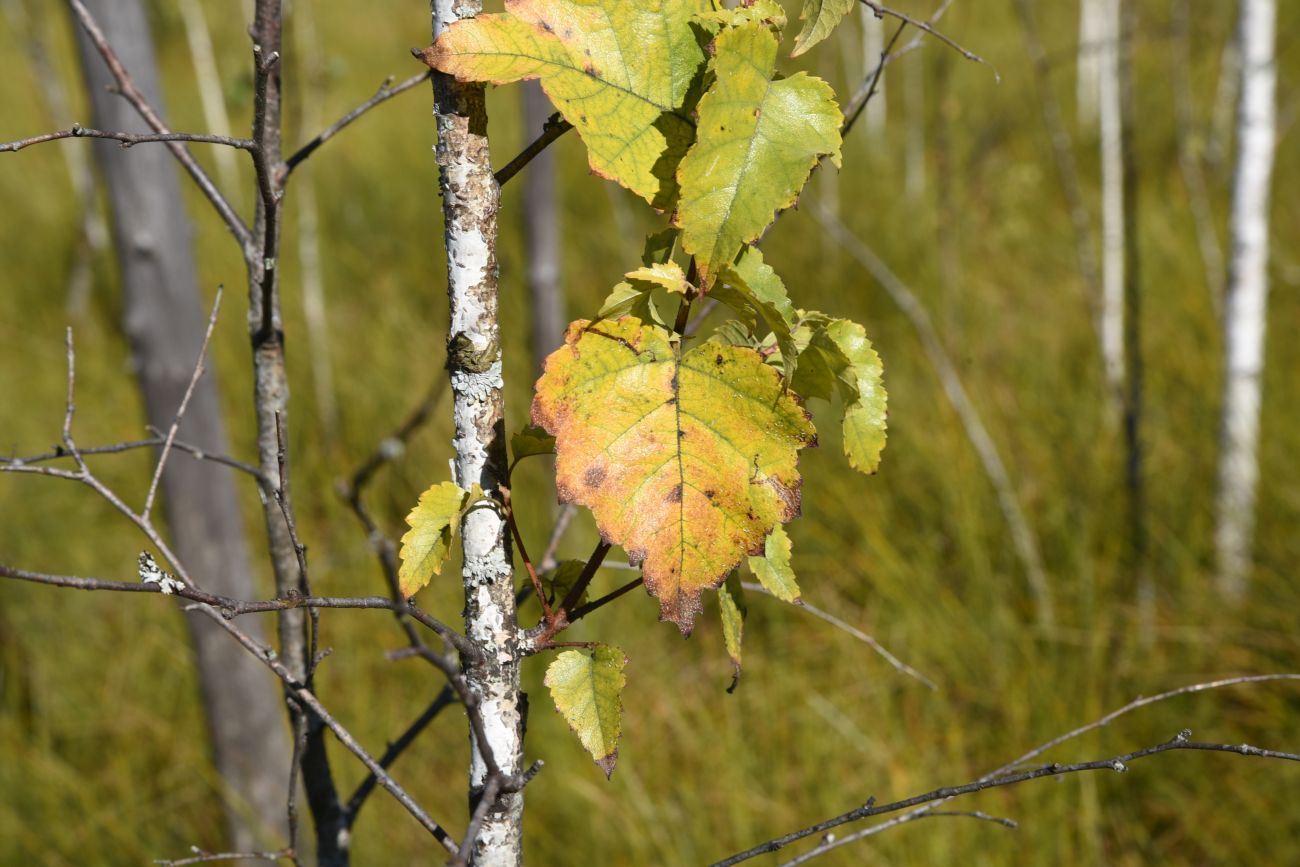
(102,757)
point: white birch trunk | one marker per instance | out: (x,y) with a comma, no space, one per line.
(1247,297)
(1092,36)
(470,202)
(1112,199)
(873,45)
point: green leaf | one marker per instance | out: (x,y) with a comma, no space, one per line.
(665,274)
(819,18)
(733,628)
(531,440)
(773,569)
(624,74)
(865,413)
(434,522)
(760,286)
(559,581)
(632,299)
(758,139)
(659,246)
(839,355)
(588,693)
(686,461)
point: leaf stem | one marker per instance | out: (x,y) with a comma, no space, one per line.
(509,510)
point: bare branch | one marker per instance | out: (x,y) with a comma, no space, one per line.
(231,608)
(180,410)
(201,857)
(1005,775)
(128,139)
(898,664)
(192,450)
(882,11)
(386,92)
(272,661)
(552,130)
(444,698)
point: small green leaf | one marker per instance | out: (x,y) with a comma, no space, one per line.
(819,18)
(559,581)
(733,627)
(659,246)
(434,522)
(733,333)
(755,281)
(758,137)
(773,568)
(865,413)
(632,299)
(588,693)
(839,355)
(666,274)
(531,440)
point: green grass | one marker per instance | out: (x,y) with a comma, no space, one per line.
(102,756)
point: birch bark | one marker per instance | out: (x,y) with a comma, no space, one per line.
(1246,302)
(470,198)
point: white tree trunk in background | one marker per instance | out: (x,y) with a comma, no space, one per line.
(470,199)
(1092,35)
(1112,198)
(1247,296)
(873,44)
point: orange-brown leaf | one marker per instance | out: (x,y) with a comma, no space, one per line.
(686,460)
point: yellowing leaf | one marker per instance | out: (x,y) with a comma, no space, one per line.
(632,299)
(773,569)
(666,274)
(434,522)
(733,627)
(531,441)
(687,462)
(588,693)
(819,18)
(758,138)
(621,72)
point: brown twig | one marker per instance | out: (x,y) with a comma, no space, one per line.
(231,608)
(272,661)
(184,405)
(386,91)
(882,11)
(128,139)
(444,698)
(552,130)
(193,451)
